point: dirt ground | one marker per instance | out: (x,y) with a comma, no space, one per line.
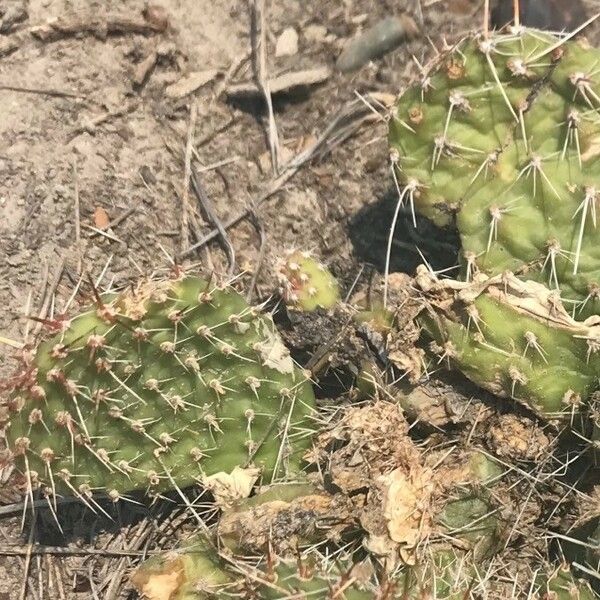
(89,133)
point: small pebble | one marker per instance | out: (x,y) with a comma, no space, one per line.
(315,34)
(287,43)
(383,37)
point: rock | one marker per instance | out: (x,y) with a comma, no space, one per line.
(287,43)
(384,36)
(315,34)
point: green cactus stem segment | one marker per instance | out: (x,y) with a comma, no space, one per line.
(501,137)
(306,284)
(513,338)
(157,388)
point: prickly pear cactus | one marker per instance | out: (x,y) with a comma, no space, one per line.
(155,388)
(198,572)
(562,585)
(306,284)
(515,339)
(502,137)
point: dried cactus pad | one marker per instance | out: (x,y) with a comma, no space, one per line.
(502,135)
(156,388)
(513,338)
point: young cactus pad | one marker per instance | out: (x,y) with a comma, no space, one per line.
(156,388)
(305,283)
(513,338)
(502,135)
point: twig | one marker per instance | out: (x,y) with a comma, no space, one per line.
(216,165)
(274,186)
(345,124)
(48,297)
(185,192)
(41,92)
(103,233)
(261,252)
(209,137)
(27,552)
(90,126)
(31,550)
(259,51)
(77,215)
(210,214)
(237,62)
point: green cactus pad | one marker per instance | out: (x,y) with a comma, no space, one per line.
(513,338)
(157,388)
(562,585)
(502,136)
(306,284)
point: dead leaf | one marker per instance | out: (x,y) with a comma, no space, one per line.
(101,218)
(229,487)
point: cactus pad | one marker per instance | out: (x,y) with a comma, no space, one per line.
(513,338)
(155,388)
(305,283)
(502,136)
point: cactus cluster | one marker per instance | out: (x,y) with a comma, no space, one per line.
(500,138)
(309,542)
(156,388)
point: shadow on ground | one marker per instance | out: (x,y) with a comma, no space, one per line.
(369,231)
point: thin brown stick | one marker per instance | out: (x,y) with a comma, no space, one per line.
(516,13)
(486,18)
(259,50)
(26,567)
(344,125)
(185,192)
(261,252)
(40,91)
(64,551)
(211,215)
(273,188)
(237,62)
(77,215)
(117,220)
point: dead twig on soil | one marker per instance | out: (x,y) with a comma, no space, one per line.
(274,186)
(63,551)
(235,66)
(209,213)
(90,126)
(185,192)
(77,215)
(100,27)
(27,566)
(40,91)
(209,137)
(258,35)
(254,218)
(117,220)
(346,123)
